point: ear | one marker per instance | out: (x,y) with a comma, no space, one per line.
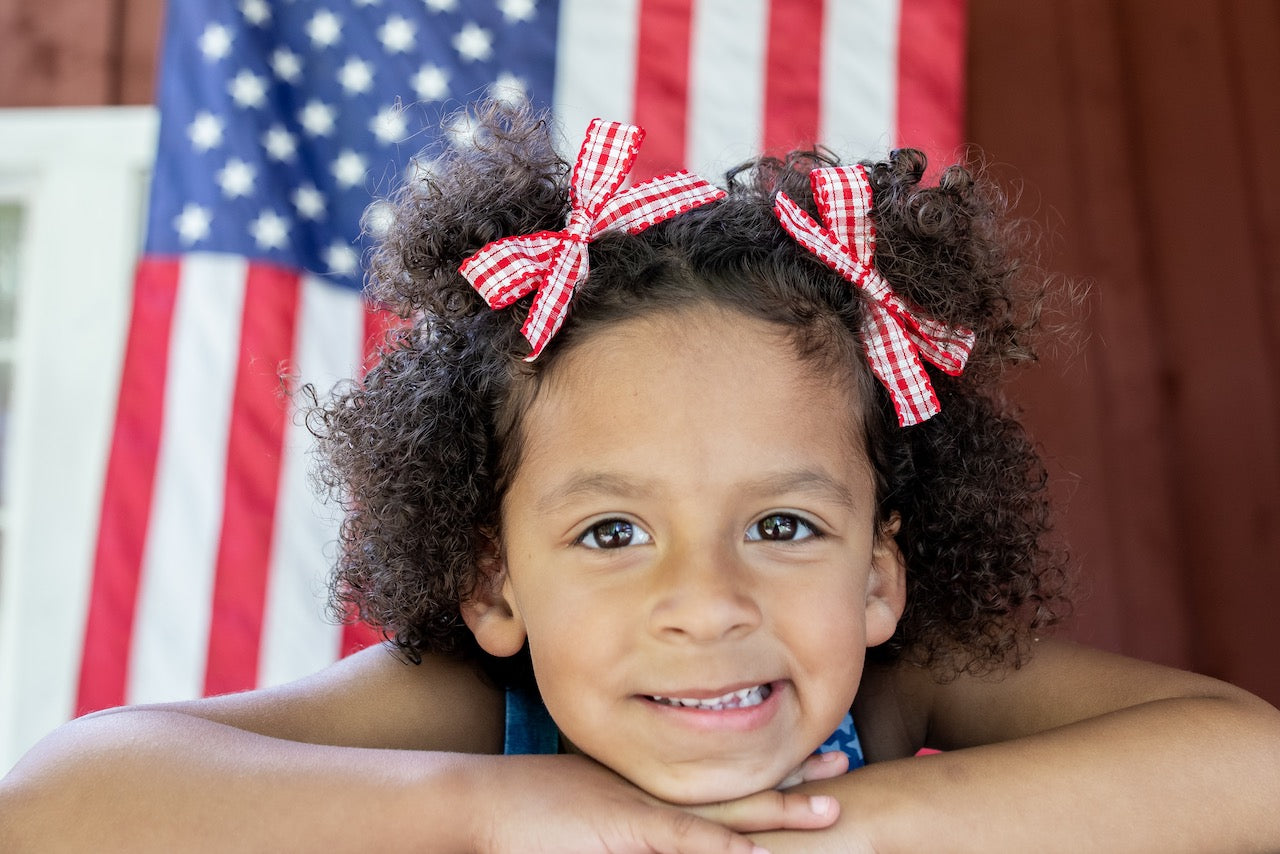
(886,584)
(491,611)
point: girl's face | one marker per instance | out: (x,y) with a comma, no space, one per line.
(689,546)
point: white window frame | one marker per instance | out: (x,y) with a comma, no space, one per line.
(79,175)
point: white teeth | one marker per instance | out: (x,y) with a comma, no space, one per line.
(741,699)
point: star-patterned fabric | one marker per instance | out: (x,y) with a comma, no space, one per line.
(282,120)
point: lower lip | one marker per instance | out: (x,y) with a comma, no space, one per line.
(722,720)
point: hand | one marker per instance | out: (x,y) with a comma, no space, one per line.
(819,766)
(571,804)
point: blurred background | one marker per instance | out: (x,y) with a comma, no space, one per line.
(1140,134)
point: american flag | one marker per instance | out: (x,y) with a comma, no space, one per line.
(282,122)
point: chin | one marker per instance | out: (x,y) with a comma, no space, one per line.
(694,788)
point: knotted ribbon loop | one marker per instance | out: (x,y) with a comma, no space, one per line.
(553,262)
(895,335)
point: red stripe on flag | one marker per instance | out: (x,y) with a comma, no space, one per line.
(255,444)
(793,75)
(931,35)
(126,494)
(662,85)
(377,323)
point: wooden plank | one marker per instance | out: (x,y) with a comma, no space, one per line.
(1225,412)
(57,53)
(139,50)
(1125,362)
(1015,57)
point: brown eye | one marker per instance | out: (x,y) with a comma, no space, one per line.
(780,527)
(612,534)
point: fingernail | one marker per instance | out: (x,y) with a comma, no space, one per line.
(829,756)
(758,850)
(821,804)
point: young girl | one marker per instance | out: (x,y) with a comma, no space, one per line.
(658,482)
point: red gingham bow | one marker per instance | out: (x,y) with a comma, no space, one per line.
(552,262)
(894,335)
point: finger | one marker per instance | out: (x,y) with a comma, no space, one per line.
(773,810)
(819,766)
(686,833)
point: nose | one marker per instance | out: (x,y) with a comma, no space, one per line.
(703,594)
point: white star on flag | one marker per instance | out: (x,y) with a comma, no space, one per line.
(318,118)
(193,224)
(356,76)
(215,42)
(324,29)
(341,258)
(248,89)
(205,131)
(270,230)
(349,169)
(256,12)
(280,144)
(431,83)
(389,124)
(397,35)
(308,202)
(516,10)
(286,64)
(473,43)
(236,178)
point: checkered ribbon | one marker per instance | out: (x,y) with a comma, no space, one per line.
(552,262)
(894,335)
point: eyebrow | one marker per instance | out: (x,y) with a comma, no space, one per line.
(812,481)
(593,483)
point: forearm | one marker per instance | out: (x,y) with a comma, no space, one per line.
(157,780)
(1188,774)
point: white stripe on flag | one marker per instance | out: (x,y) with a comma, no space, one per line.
(726,84)
(171,627)
(590,82)
(859,77)
(297,639)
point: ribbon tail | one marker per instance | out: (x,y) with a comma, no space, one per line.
(895,362)
(551,305)
(946,348)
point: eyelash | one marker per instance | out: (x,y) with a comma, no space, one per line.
(597,527)
(590,538)
(799,521)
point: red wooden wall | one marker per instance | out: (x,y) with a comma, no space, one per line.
(1144,135)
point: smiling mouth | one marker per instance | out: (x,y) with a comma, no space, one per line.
(742,699)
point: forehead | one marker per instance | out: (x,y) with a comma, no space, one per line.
(704,389)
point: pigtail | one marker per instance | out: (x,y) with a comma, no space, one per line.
(411,452)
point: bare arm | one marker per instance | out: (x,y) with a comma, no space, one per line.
(1077,751)
(368,754)
(313,760)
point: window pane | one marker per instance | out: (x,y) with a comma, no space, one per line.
(10,232)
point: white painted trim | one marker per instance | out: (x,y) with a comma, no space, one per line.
(80,174)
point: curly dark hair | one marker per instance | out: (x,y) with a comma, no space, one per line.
(421,450)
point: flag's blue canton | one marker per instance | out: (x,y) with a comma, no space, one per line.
(281,120)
